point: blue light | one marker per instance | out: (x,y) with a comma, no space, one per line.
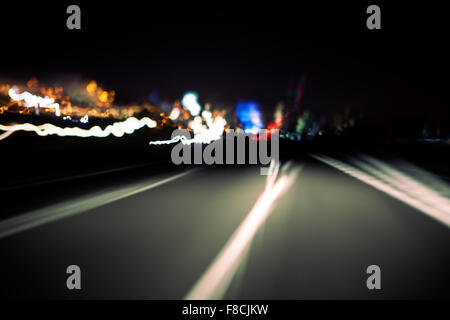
(249,116)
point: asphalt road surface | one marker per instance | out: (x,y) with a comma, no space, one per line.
(163,235)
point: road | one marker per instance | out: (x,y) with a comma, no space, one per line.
(158,236)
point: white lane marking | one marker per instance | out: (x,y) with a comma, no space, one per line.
(66,209)
(404,183)
(216,279)
(395,188)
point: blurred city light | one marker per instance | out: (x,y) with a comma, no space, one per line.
(249,115)
(190,102)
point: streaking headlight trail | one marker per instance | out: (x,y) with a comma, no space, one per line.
(213,130)
(117,129)
(33,101)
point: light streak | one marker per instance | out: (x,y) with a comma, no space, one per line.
(197,139)
(202,134)
(95,101)
(31,100)
(215,281)
(117,129)
(176,139)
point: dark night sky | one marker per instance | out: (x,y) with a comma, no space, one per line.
(229,51)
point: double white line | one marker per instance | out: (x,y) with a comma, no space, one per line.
(214,283)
